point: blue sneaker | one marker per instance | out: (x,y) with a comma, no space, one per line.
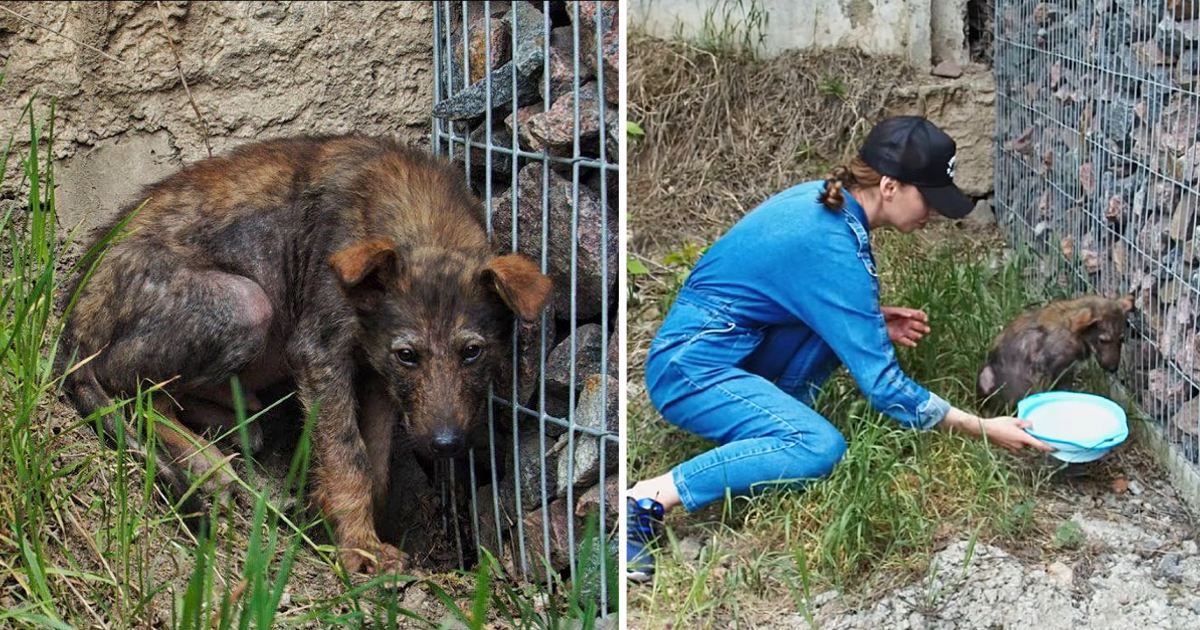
(643,518)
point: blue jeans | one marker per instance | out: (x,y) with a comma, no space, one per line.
(748,388)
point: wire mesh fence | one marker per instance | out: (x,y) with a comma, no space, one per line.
(525,100)
(1098,170)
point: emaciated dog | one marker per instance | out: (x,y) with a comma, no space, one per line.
(1042,346)
(355,267)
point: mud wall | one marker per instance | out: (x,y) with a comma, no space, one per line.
(254,70)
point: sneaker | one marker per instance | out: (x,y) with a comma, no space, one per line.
(642,520)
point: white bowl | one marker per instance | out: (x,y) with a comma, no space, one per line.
(1081,427)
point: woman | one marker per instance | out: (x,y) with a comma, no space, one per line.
(773,307)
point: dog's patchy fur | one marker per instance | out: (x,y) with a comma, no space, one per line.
(1040,347)
(355,267)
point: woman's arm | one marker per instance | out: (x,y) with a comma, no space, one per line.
(1005,431)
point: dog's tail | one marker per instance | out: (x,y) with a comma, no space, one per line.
(91,401)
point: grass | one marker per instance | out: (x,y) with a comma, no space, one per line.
(895,497)
(88,540)
(733,27)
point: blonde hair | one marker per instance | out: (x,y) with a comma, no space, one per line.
(855,174)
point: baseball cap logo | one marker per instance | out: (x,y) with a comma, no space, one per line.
(950,166)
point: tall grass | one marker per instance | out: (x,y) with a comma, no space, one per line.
(895,495)
(88,540)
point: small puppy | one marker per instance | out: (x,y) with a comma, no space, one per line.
(356,268)
(1041,346)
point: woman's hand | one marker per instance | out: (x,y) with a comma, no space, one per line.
(1005,431)
(905,326)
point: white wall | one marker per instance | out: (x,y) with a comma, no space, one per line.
(924,31)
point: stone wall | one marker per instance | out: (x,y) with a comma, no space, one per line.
(1099,168)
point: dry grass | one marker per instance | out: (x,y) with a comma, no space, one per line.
(723,133)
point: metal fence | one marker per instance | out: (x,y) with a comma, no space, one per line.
(545,164)
(1098,169)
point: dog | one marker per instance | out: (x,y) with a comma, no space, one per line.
(355,267)
(1042,346)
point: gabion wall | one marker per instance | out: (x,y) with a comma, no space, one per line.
(1098,169)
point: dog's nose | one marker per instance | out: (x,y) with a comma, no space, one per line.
(447,443)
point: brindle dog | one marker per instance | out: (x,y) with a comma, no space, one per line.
(1042,346)
(355,267)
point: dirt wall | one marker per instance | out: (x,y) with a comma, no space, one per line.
(254,70)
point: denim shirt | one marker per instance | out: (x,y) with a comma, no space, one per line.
(793,262)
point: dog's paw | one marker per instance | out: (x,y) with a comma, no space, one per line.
(380,558)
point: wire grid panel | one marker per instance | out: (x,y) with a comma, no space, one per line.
(545,165)
(1098,170)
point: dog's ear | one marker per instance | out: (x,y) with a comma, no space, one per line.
(1083,317)
(366,269)
(1127,303)
(524,288)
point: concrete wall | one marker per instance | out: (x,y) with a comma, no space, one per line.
(255,70)
(923,31)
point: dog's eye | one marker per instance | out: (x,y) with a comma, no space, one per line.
(407,356)
(472,353)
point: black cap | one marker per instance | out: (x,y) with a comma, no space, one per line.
(914,151)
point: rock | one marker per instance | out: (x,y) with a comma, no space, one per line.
(589,241)
(589,501)
(519,122)
(689,548)
(562,62)
(531,467)
(481,33)
(99,176)
(947,69)
(472,102)
(1183,219)
(1023,143)
(528,470)
(1168,567)
(1149,53)
(1183,9)
(1087,178)
(1135,488)
(1187,420)
(1061,574)
(1169,39)
(528,56)
(1153,236)
(595,410)
(554,129)
(1091,260)
(529,352)
(1117,120)
(981,216)
(558,555)
(613,356)
(1165,390)
(501,163)
(1187,69)
(589,352)
(605,15)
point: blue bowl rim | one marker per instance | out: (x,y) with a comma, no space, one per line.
(1032,401)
